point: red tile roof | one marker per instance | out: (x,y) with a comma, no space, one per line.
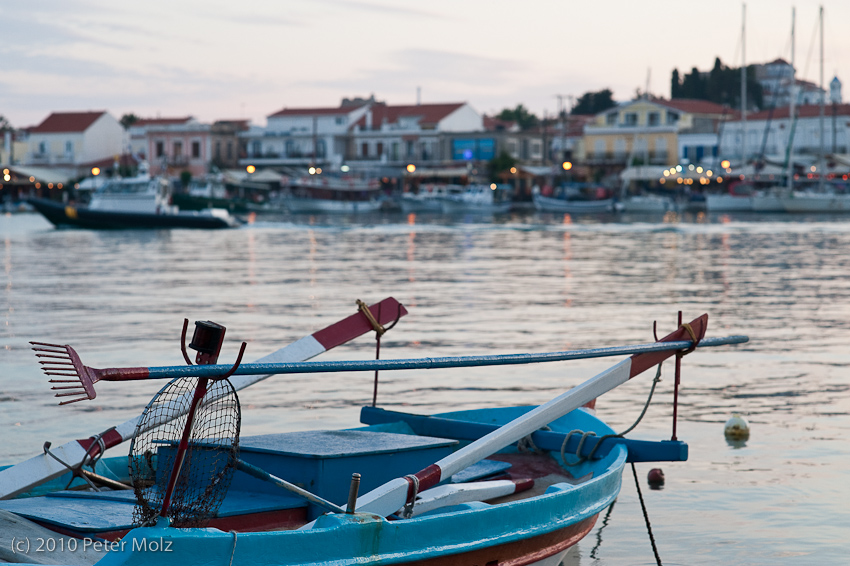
(313,111)
(428,114)
(160,121)
(693,106)
(807,111)
(60,122)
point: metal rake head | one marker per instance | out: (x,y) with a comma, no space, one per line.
(63,361)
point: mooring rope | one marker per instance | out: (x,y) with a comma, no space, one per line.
(646,517)
(602,438)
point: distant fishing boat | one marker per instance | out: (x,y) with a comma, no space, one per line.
(325,193)
(486,199)
(574,198)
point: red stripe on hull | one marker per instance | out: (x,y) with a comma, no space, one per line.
(518,553)
(357,324)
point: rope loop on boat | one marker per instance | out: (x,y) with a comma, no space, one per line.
(75,470)
(376,326)
(602,438)
(526,443)
(695,341)
(407,510)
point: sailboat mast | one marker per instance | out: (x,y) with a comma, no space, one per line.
(743,85)
(789,158)
(821,165)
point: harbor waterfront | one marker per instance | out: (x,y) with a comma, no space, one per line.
(522,282)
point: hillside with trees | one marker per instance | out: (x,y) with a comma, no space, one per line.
(721,85)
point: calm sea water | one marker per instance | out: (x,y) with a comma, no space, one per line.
(520,283)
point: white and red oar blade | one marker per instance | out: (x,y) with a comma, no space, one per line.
(28,474)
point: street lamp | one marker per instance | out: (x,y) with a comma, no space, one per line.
(250,169)
(411,168)
(567,165)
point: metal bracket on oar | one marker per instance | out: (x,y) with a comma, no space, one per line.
(380,330)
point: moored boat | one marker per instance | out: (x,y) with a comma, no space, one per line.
(478,497)
(737,198)
(323,193)
(575,198)
(427,198)
(482,199)
(131,203)
(647,204)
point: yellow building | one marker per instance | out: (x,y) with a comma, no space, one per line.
(653,132)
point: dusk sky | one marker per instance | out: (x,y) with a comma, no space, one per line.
(224,60)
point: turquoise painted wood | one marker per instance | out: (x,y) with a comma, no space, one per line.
(564,510)
(639,450)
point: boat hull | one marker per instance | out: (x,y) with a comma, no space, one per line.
(728,203)
(461,207)
(536,527)
(550,204)
(295,204)
(816,202)
(64,215)
(647,204)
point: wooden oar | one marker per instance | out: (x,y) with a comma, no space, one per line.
(30,473)
(395,494)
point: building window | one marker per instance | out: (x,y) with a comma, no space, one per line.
(69,147)
(410,149)
(256,148)
(611,119)
(672,117)
(229,150)
(380,149)
(159,149)
(178,149)
(654,119)
(320,148)
(394,151)
(217,151)
(630,119)
(364,150)
(599,148)
(196,149)
(340,120)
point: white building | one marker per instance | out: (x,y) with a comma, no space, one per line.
(360,132)
(75,139)
(301,136)
(417,133)
(774,131)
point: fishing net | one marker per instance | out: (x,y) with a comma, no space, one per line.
(210,459)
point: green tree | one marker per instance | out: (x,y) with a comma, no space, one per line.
(520,115)
(675,85)
(721,85)
(591,103)
(499,164)
(128,120)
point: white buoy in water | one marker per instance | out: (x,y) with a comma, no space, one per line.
(737,428)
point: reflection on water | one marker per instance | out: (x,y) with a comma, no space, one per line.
(515,283)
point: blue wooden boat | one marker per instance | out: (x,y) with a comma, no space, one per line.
(485,486)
